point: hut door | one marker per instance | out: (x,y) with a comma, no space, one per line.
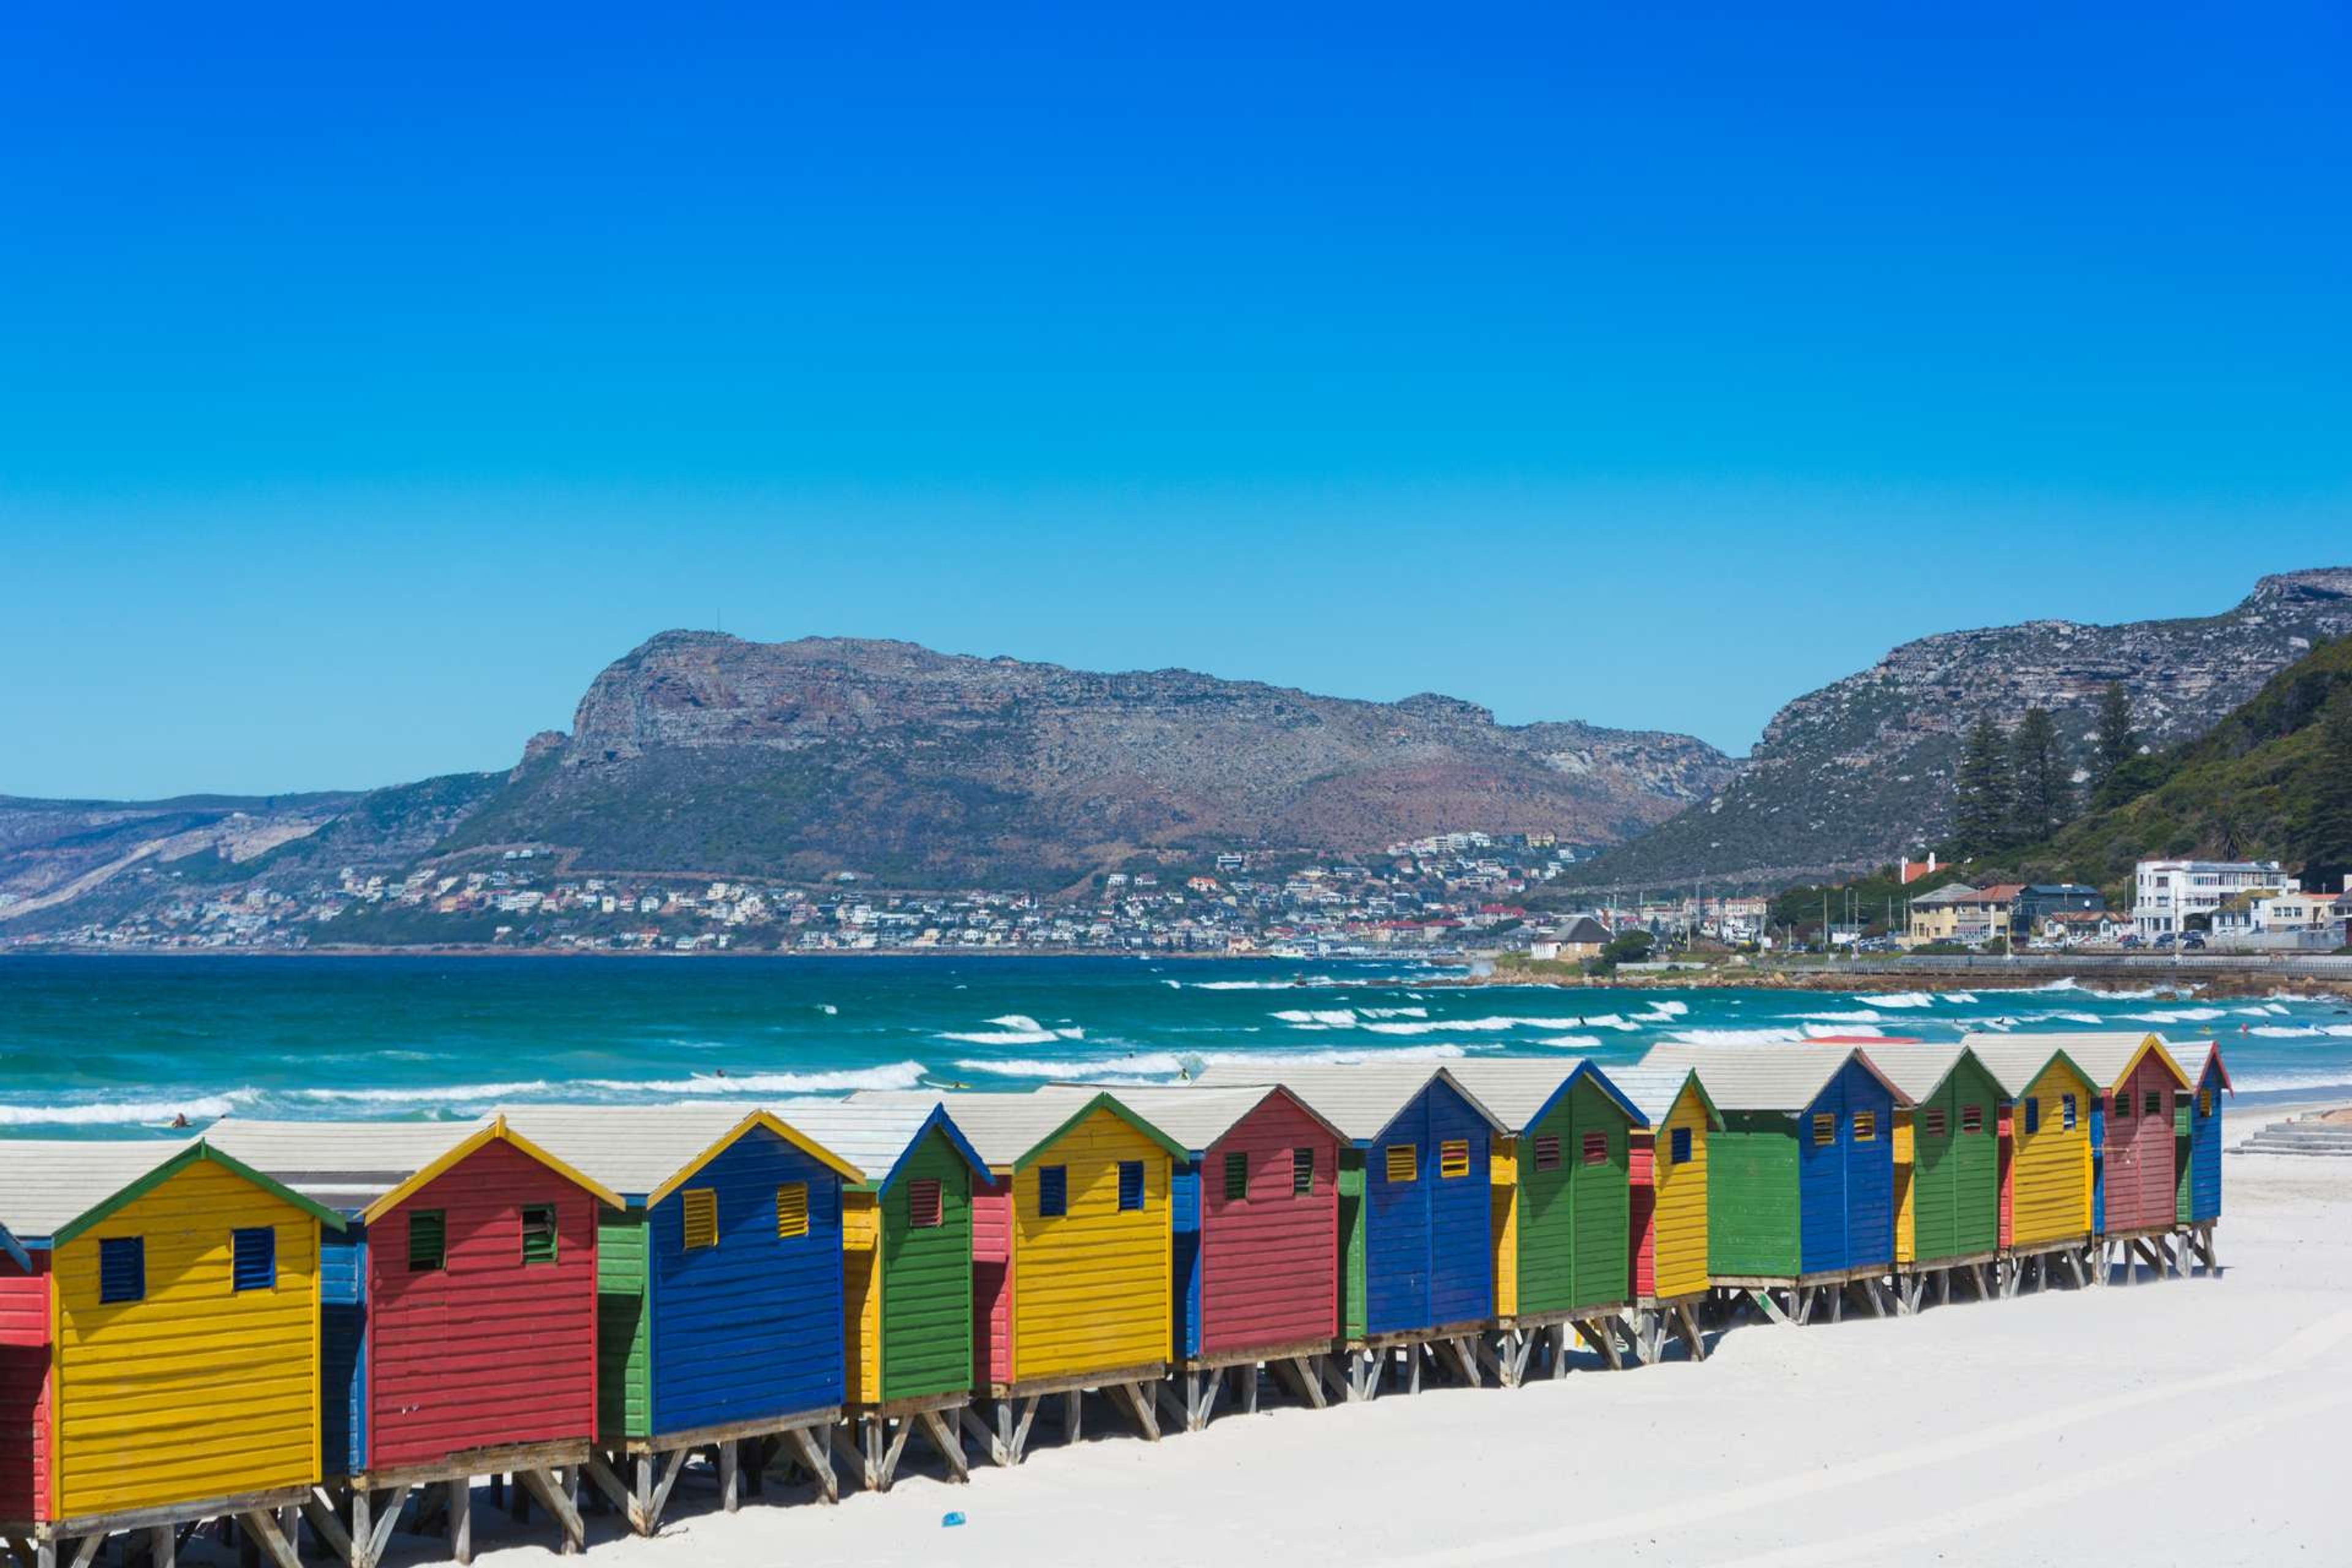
(1824,1138)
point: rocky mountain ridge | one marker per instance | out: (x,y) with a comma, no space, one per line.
(1858,772)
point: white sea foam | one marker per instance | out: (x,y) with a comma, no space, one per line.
(2176,1015)
(1001,1036)
(2288,1031)
(1833,1031)
(103,1113)
(1572,1042)
(1475,1026)
(1667,1007)
(2065,1017)
(1325,1017)
(1234,985)
(828,1009)
(1865,1016)
(1394,1012)
(430,1094)
(1897,999)
(894,1075)
(1959,998)
(1606,1021)
(1163,1065)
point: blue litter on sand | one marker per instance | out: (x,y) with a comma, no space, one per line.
(950,1521)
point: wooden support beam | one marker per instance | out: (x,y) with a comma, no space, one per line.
(261,1528)
(820,1464)
(319,1507)
(1770,1308)
(1692,1338)
(86,1554)
(163,1547)
(554,1497)
(892,1450)
(1020,1429)
(461,1519)
(950,1444)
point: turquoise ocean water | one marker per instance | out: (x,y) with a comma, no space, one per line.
(90,1046)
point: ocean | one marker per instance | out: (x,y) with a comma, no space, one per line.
(90,1046)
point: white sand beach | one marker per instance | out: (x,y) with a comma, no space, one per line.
(2171,1422)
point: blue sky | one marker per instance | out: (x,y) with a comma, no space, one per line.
(368,380)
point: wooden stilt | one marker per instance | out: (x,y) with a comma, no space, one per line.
(461,1519)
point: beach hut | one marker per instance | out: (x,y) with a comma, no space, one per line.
(159,1349)
(2134,1200)
(1417,1259)
(2197,1150)
(1070,1257)
(457,1319)
(906,1276)
(2046,1154)
(1800,1180)
(1947,1169)
(1562,1207)
(1255,1211)
(720,1293)
(1665,1171)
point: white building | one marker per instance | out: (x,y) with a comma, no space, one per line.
(2166,893)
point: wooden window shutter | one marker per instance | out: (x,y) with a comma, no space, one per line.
(923,1208)
(2152,1104)
(2204,1102)
(428,1241)
(701,1214)
(1933,1123)
(539,1233)
(1237,1178)
(1680,1150)
(1865,1126)
(1547,1152)
(1971,1118)
(2033,1115)
(1596,1148)
(1404,1163)
(2066,1112)
(1824,1129)
(253,1258)
(791,1210)
(1302,1173)
(1130,1185)
(122,1269)
(1053,1190)
(1453,1157)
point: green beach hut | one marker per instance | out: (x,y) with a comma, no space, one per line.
(1946,1167)
(905,1273)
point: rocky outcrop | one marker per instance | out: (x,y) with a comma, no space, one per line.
(1860,770)
(706,751)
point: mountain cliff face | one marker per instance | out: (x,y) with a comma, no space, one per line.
(1861,770)
(707,753)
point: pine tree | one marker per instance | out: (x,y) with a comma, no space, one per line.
(2116,743)
(1981,803)
(2323,839)
(2041,794)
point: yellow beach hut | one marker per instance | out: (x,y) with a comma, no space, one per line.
(1071,1266)
(2046,1151)
(1668,1170)
(183,1342)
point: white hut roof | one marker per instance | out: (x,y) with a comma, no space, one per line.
(1359,1098)
(1521,1089)
(48,1184)
(344,1165)
(1766,1078)
(1193,1115)
(636,1149)
(1007,1128)
(2104,1056)
(1917,1070)
(872,1135)
(1656,1088)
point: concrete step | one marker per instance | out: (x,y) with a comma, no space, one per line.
(2304,1135)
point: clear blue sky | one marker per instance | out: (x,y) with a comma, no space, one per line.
(370,377)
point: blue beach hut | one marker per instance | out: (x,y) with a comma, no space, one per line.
(2197,1126)
(1417,1268)
(720,1320)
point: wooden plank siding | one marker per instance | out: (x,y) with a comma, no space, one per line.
(197,1390)
(23,1395)
(1954,1186)
(1846,1185)
(1351,1243)
(861,1294)
(2138,1175)
(623,1328)
(991,1281)
(2198,1150)
(1091,1285)
(1751,1183)
(489,1350)
(927,1294)
(1270,1261)
(752,1326)
(2049,1161)
(1574,1221)
(1668,1202)
(343,1353)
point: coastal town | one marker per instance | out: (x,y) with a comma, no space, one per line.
(1448,896)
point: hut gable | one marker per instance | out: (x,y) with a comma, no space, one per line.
(1090,1235)
(1947,1152)
(1562,1226)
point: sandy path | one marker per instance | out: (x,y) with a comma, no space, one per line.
(2171,1421)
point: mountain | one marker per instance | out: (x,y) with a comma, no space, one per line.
(2273,781)
(703,752)
(1859,772)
